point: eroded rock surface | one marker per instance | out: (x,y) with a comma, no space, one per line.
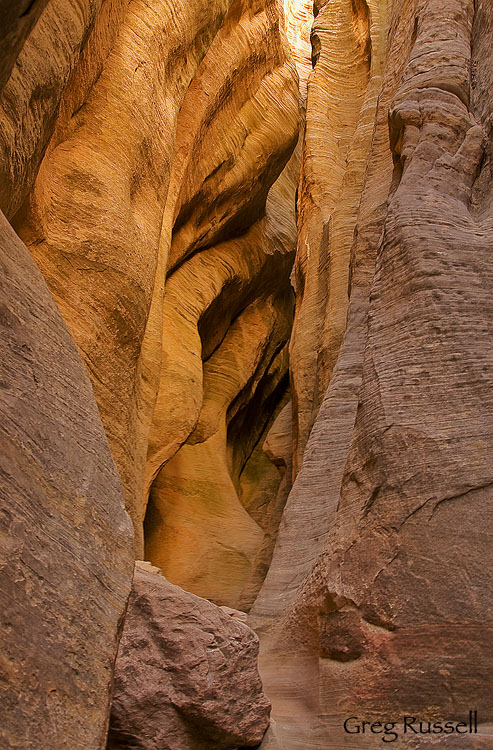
(348,51)
(138,143)
(392,617)
(110,156)
(186,675)
(227,312)
(147,160)
(65,540)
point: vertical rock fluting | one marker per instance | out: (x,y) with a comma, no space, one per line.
(348,39)
(171,122)
(298,19)
(65,539)
(394,617)
(143,142)
(148,160)
(309,513)
(94,217)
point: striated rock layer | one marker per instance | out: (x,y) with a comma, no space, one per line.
(298,19)
(199,527)
(186,675)
(227,312)
(348,47)
(65,539)
(147,160)
(393,615)
(135,138)
(93,218)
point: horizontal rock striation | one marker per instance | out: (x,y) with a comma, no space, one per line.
(93,219)
(348,48)
(318,456)
(227,312)
(159,133)
(147,160)
(392,618)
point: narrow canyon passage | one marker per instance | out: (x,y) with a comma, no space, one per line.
(217,491)
(246,373)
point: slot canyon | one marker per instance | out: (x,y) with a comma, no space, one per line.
(246,374)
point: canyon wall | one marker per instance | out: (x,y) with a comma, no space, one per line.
(246,295)
(148,162)
(377,601)
(154,156)
(66,541)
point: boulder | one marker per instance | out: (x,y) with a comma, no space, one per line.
(186,675)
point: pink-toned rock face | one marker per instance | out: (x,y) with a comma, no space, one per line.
(65,539)
(186,675)
(393,616)
(148,160)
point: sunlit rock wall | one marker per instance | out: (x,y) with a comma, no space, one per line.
(227,313)
(134,139)
(348,40)
(147,160)
(298,19)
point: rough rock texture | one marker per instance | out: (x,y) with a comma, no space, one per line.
(348,41)
(186,675)
(147,160)
(200,527)
(394,617)
(65,539)
(139,142)
(298,17)
(16,21)
(313,500)
(31,97)
(93,219)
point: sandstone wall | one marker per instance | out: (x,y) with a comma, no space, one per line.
(143,153)
(65,541)
(310,509)
(393,616)
(348,39)
(298,20)
(227,312)
(135,139)
(150,161)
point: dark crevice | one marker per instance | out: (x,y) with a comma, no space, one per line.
(28,9)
